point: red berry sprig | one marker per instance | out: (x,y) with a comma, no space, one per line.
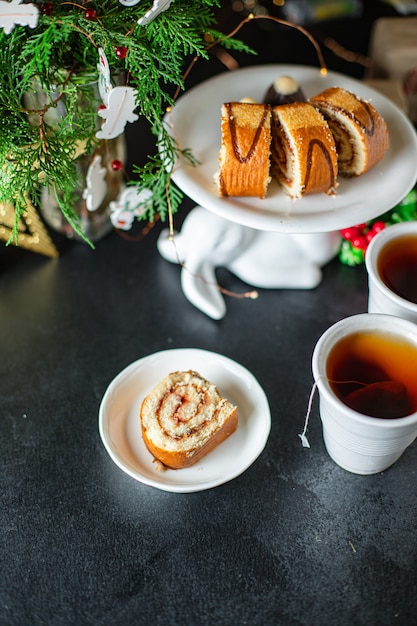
(357,239)
(361,235)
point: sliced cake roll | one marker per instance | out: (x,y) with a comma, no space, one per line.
(244,152)
(184,418)
(360,132)
(304,158)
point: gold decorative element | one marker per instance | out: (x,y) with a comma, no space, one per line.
(32,232)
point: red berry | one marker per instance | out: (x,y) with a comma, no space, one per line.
(121,52)
(349,233)
(361,226)
(369,235)
(90,14)
(102,107)
(359,242)
(116,165)
(378,226)
(47,8)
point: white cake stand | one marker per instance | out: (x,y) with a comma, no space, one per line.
(276,242)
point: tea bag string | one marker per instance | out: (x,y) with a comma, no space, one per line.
(303,435)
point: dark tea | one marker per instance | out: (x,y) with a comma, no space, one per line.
(397,266)
(374,374)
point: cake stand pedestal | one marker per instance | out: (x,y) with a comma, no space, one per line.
(262,259)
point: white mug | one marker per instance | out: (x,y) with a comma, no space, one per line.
(360,443)
(382,297)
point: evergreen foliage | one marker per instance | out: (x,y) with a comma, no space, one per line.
(39,143)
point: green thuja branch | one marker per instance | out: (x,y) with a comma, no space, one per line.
(48,108)
(156,175)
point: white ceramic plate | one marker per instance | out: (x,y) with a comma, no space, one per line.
(196,119)
(120,431)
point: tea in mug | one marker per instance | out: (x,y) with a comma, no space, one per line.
(397,266)
(375,374)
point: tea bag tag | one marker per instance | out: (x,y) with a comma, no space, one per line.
(303,435)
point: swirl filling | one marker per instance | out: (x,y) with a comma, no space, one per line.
(184,417)
(185,409)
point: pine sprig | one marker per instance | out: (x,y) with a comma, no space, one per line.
(40,142)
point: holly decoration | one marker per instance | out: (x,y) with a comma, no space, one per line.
(356,239)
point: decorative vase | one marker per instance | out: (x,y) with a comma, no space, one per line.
(99,172)
(94,220)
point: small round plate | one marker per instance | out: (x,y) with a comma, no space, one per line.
(196,120)
(120,430)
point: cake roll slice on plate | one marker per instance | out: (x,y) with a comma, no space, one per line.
(184,418)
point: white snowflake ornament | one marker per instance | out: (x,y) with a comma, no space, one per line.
(104,82)
(158,7)
(96,189)
(119,110)
(130,204)
(14,13)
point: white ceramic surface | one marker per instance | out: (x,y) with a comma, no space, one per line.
(358,443)
(381,299)
(260,258)
(196,121)
(119,423)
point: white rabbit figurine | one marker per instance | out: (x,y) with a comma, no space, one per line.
(260,258)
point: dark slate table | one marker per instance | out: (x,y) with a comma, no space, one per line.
(294,540)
